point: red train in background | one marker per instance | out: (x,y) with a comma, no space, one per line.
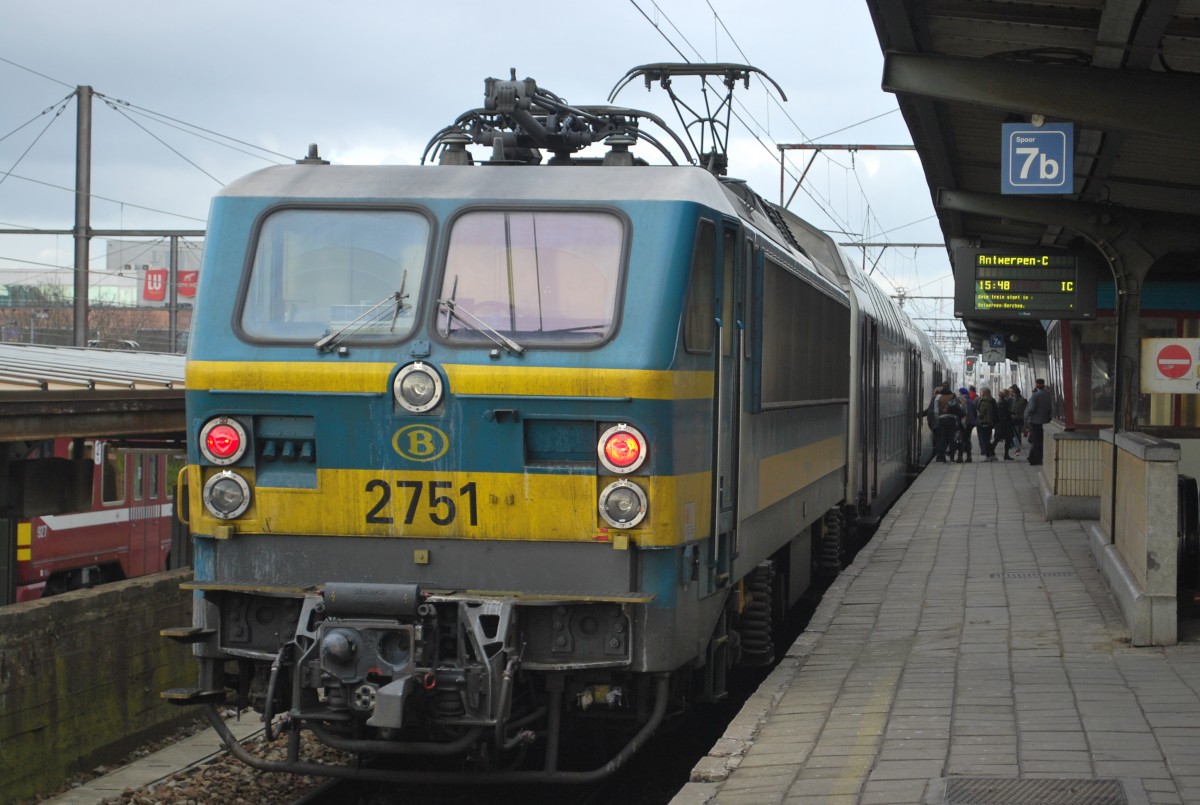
(92,513)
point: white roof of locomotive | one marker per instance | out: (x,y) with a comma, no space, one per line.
(483,182)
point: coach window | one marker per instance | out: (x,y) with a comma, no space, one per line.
(152,471)
(547,278)
(139,476)
(321,272)
(804,324)
(699,326)
(112,477)
(174,465)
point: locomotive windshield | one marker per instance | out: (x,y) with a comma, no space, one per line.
(318,273)
(548,278)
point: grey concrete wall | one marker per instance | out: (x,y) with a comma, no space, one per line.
(80,676)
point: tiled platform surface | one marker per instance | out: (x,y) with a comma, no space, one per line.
(969,639)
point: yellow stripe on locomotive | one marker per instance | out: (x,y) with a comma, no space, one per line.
(519,381)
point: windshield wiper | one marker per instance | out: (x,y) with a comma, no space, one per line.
(368,316)
(457,311)
(580,328)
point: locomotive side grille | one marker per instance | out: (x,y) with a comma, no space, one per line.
(287,451)
(557,441)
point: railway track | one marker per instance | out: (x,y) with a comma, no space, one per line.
(651,777)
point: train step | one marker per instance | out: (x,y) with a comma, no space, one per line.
(193,696)
(188,634)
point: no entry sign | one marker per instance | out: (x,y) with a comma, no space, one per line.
(1174,361)
(1171,365)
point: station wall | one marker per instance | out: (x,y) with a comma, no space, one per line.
(80,676)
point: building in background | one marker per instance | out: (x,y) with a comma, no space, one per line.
(129,298)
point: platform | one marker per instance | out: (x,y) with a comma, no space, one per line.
(973,655)
(147,771)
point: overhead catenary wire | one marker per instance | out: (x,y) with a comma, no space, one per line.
(191,128)
(125,109)
(870,216)
(862,190)
(104,198)
(164,143)
(871,220)
(820,203)
(35,72)
(61,105)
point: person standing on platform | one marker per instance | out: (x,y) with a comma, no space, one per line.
(1019,404)
(969,420)
(1037,414)
(1003,432)
(930,414)
(944,411)
(986,407)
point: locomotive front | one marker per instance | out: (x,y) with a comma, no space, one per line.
(437,494)
(466,470)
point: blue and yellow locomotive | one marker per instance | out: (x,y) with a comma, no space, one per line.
(482,451)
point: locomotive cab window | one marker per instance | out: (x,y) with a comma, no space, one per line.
(544,278)
(699,322)
(323,272)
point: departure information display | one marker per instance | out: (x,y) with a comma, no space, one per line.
(1010,284)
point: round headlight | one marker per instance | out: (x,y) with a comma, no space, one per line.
(417,387)
(622,449)
(226,495)
(222,440)
(623,504)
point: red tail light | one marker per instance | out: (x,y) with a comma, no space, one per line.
(622,449)
(223,440)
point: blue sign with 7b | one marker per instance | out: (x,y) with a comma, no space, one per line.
(1037,159)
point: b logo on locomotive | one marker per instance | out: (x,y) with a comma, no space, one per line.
(420,442)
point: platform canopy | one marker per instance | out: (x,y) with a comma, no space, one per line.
(55,392)
(1125,74)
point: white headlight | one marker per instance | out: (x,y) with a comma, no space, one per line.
(226,495)
(417,387)
(623,504)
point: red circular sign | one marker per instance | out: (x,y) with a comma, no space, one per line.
(1174,361)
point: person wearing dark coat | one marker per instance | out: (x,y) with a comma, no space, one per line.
(1037,414)
(1019,404)
(944,410)
(1003,431)
(967,425)
(986,407)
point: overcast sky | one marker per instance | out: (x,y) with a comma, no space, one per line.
(371,81)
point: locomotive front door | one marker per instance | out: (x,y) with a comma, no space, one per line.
(727,405)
